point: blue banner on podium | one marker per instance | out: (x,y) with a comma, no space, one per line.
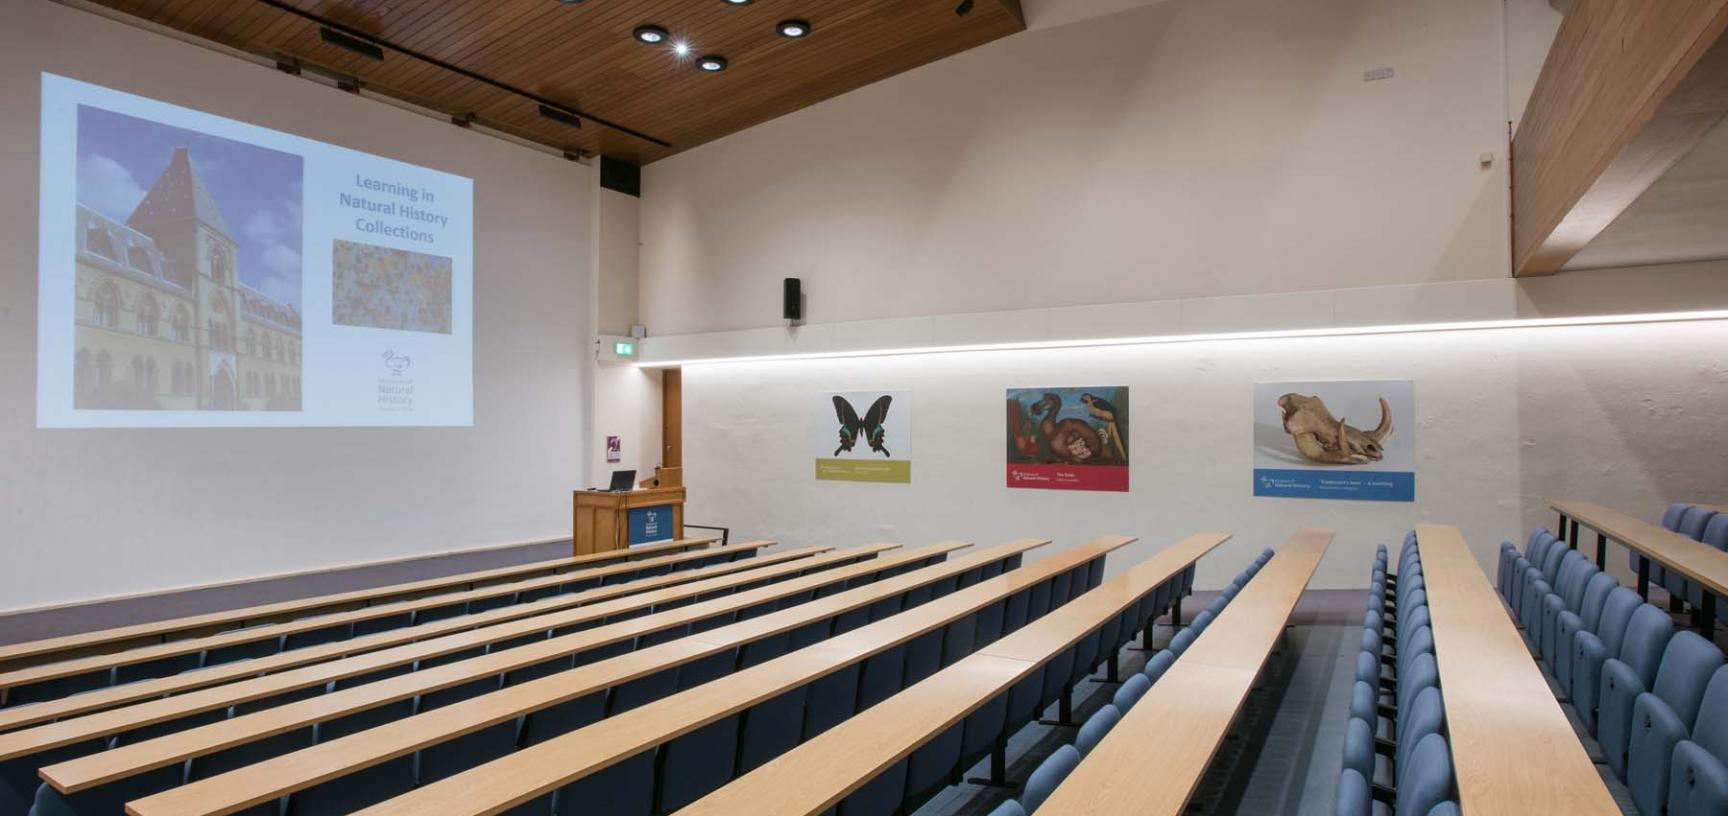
(650,525)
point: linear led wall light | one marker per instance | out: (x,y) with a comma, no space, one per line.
(1341,331)
(347,43)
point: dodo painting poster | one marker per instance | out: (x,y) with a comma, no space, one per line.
(1068,438)
(1348,439)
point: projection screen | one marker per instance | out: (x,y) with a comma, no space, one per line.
(196,271)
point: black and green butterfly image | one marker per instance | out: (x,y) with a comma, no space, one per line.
(870,427)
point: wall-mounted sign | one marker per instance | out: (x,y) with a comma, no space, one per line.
(1068,438)
(863,436)
(650,525)
(1349,439)
(614,449)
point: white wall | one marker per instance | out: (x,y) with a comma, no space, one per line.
(1184,149)
(1629,416)
(85,514)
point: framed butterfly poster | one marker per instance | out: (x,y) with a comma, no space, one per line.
(863,436)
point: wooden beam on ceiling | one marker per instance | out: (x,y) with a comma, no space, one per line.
(1628,89)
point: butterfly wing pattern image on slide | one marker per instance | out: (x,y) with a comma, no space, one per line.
(870,427)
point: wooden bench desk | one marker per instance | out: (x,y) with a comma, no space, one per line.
(705,577)
(1513,749)
(537,770)
(192,645)
(1700,563)
(1152,761)
(305,768)
(240,729)
(30,653)
(820,773)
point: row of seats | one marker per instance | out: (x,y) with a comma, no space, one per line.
(434,762)
(1395,748)
(1641,688)
(61,687)
(1055,768)
(1692,521)
(716,754)
(912,781)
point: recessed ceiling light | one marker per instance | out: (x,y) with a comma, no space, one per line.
(681,48)
(737,2)
(793,28)
(651,34)
(711,63)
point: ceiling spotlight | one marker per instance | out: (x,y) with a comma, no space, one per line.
(793,28)
(964,8)
(711,63)
(651,34)
(681,48)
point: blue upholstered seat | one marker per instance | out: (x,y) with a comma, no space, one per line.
(1353,797)
(1583,617)
(1664,716)
(1425,778)
(1590,649)
(1048,776)
(1627,676)
(1131,691)
(1698,778)
(1096,726)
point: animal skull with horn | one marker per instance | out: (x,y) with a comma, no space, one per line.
(1324,439)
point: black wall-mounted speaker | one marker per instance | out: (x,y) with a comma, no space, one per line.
(792,300)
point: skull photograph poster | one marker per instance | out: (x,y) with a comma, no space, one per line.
(1068,438)
(863,436)
(1344,439)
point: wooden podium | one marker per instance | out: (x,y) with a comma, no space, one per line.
(613,521)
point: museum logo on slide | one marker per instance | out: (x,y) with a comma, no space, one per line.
(395,392)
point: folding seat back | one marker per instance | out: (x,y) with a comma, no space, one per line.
(1048,776)
(1359,747)
(1551,561)
(1423,672)
(1590,649)
(1596,593)
(1584,617)
(1671,516)
(624,788)
(1364,702)
(1427,715)
(1663,717)
(771,728)
(1716,535)
(1181,641)
(1425,780)
(695,764)
(1624,678)
(1698,779)
(1096,726)
(1645,642)
(1130,692)
(1693,522)
(1159,664)
(933,765)
(1687,666)
(1353,797)
(1008,808)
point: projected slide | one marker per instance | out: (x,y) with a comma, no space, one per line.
(202,272)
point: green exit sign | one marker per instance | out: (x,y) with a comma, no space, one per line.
(624,348)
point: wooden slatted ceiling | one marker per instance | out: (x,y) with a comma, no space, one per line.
(582,56)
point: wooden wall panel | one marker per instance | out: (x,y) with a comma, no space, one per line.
(1629,87)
